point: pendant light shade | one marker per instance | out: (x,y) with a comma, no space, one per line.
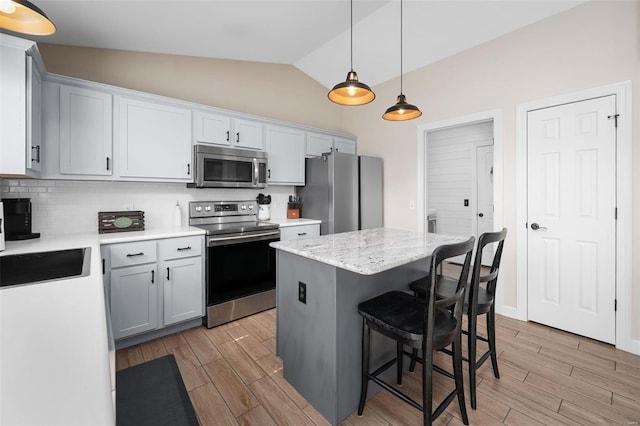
(22,16)
(402,110)
(351,92)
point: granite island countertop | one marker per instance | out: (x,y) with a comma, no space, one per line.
(369,251)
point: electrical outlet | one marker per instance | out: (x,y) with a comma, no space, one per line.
(302,292)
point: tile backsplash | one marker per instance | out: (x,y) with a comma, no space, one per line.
(69,206)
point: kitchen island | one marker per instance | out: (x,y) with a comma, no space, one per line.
(320,282)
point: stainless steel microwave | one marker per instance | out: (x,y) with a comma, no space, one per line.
(221,167)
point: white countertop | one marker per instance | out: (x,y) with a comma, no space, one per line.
(54,354)
(284,222)
(369,251)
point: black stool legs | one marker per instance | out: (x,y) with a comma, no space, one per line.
(366,337)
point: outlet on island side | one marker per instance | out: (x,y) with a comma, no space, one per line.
(302,292)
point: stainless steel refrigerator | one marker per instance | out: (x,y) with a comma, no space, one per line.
(344,191)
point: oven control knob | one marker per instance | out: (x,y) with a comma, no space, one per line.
(198,208)
(243,207)
(250,206)
(208,208)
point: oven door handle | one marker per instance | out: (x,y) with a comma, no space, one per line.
(220,241)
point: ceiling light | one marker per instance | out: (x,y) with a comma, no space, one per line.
(22,16)
(351,91)
(401,110)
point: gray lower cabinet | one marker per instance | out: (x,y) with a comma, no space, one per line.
(154,284)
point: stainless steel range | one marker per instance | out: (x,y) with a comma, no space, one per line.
(241,267)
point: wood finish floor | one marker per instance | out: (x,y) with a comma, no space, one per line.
(547,377)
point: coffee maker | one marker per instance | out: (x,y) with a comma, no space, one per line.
(17,219)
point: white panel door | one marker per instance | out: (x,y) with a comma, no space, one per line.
(155,141)
(248,134)
(183,295)
(346,146)
(213,128)
(571,217)
(134,300)
(286,148)
(318,143)
(484,197)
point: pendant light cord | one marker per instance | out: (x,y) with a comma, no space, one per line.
(351,35)
(401,47)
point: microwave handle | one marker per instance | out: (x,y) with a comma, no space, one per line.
(256,172)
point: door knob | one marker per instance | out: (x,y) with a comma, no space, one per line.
(535,226)
(480,214)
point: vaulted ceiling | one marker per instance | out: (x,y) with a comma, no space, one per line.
(313,35)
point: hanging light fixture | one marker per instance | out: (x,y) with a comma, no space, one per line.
(351,91)
(22,16)
(401,110)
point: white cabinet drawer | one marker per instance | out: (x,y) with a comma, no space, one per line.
(133,253)
(301,231)
(177,248)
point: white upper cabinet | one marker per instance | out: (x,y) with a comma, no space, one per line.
(213,128)
(247,134)
(85,132)
(346,146)
(226,130)
(154,141)
(20,107)
(286,148)
(318,143)
(34,116)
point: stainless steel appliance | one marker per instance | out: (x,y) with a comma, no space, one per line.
(17,219)
(241,266)
(344,191)
(220,167)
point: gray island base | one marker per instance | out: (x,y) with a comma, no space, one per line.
(319,338)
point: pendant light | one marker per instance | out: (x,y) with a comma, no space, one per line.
(402,110)
(22,16)
(351,91)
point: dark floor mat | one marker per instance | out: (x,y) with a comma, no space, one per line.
(153,393)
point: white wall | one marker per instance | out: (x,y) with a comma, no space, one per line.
(62,207)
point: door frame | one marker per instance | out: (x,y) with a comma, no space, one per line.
(474,195)
(421,204)
(622,90)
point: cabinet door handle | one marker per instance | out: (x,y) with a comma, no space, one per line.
(37,148)
(153,276)
(227,136)
(135,254)
(300,234)
(103,268)
(107,163)
(238,137)
(189,169)
(167,274)
(184,248)
(269,174)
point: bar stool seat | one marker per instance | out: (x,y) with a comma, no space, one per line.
(447,287)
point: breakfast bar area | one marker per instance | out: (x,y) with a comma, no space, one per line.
(320,282)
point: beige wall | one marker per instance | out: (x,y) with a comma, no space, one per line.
(591,45)
(281,92)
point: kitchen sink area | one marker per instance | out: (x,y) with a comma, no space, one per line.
(32,268)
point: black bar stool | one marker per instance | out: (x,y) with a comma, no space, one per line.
(419,322)
(478,301)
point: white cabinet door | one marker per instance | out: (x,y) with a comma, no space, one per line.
(155,141)
(286,148)
(183,289)
(213,128)
(247,134)
(85,132)
(134,300)
(346,146)
(34,116)
(318,143)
